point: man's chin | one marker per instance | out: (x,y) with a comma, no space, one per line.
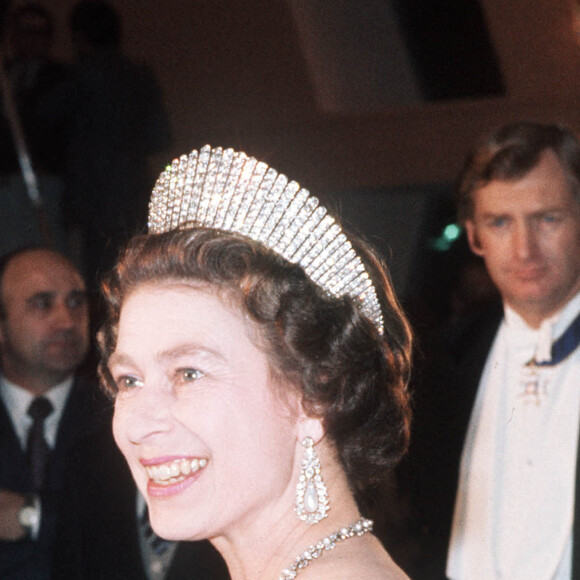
(533,290)
(541,303)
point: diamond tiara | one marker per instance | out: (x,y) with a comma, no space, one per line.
(227,190)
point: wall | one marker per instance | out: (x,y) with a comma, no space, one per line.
(232,74)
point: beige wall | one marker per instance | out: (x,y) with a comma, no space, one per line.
(232,74)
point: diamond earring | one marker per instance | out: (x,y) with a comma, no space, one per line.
(311,494)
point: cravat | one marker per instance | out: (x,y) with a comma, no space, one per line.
(565,345)
(37,448)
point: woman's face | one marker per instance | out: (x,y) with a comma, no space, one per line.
(209,442)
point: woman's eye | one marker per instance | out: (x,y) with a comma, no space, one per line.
(127,382)
(190,375)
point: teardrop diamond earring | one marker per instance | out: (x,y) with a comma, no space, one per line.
(311,495)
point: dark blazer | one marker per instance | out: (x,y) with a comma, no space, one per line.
(444,398)
(28,559)
(98,538)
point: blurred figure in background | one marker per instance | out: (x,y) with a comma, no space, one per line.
(118,122)
(33,77)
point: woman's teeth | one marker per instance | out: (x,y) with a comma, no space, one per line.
(174,471)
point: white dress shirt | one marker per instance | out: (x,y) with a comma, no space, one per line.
(514,508)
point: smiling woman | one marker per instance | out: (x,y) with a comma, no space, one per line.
(260,376)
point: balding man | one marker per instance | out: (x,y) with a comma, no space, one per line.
(44,408)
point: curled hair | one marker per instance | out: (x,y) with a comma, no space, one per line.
(348,374)
(509,153)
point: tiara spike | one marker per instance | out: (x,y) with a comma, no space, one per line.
(227,190)
(222,173)
(190,164)
(242,222)
(228,184)
(284,226)
(309,251)
(189,195)
(291,238)
(328,242)
(207,187)
(241,185)
(322,263)
(176,187)
(286,195)
(305,236)
(340,257)
(276,202)
(261,205)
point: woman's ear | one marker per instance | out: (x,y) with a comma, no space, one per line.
(310,427)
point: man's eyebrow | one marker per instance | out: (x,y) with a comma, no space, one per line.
(554,209)
(488,215)
(40,296)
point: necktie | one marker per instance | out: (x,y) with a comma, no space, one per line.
(37,448)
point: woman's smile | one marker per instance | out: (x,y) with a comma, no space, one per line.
(175,471)
(173,477)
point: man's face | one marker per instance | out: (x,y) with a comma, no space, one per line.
(528,232)
(44,335)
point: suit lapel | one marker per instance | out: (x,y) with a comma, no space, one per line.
(83,414)
(15,473)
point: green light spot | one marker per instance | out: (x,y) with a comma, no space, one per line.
(451,232)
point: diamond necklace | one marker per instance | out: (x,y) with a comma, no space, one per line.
(359,528)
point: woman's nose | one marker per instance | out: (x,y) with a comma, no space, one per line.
(144,414)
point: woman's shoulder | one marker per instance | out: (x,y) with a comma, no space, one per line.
(368,561)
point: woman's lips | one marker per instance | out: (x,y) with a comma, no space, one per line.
(171,477)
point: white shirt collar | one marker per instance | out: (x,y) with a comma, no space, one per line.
(17,400)
(521,334)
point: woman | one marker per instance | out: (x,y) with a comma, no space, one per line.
(259,375)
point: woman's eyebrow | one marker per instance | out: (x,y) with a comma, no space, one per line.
(189,349)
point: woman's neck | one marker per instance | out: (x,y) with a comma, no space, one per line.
(262,548)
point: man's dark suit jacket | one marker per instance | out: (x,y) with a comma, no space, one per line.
(98,538)
(28,559)
(444,398)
